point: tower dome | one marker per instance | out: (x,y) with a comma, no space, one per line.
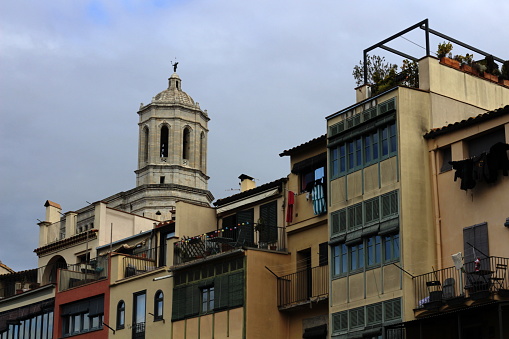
(174,94)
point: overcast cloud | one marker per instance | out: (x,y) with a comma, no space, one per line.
(73,75)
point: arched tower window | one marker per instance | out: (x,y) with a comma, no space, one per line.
(163,144)
(202,149)
(145,144)
(186,143)
(120,315)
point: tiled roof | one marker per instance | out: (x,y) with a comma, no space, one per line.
(467,122)
(51,203)
(75,239)
(253,191)
(320,139)
(7,268)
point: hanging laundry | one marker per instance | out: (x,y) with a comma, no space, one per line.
(497,158)
(318,198)
(464,171)
(291,202)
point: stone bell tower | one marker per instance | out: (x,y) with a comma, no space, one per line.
(172,151)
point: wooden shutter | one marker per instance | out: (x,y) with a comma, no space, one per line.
(192,300)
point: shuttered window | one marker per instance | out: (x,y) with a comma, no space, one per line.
(389,204)
(374,314)
(340,321)
(245,220)
(475,239)
(323,258)
(228,292)
(268,220)
(392,309)
(356,317)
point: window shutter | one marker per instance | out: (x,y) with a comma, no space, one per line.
(323,258)
(374,313)
(178,305)
(392,309)
(476,236)
(340,321)
(236,282)
(390,204)
(192,300)
(245,224)
(342,220)
(268,214)
(335,223)
(221,289)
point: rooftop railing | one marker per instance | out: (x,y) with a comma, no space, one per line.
(266,237)
(475,280)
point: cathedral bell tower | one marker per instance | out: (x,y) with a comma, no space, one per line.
(172,150)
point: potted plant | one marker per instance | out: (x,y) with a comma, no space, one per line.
(466,63)
(504,75)
(445,56)
(491,72)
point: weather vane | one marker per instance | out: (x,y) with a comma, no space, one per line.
(174,64)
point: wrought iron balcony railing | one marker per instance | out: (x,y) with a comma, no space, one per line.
(303,286)
(267,237)
(475,280)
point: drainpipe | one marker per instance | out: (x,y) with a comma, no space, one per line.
(438,221)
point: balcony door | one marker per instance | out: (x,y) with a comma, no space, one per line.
(139,314)
(304,281)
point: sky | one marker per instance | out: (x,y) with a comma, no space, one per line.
(73,75)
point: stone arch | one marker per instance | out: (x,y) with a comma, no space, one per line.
(50,271)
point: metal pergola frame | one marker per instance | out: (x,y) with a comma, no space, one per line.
(424,25)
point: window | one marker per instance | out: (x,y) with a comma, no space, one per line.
(207,299)
(374,250)
(144,142)
(202,150)
(475,242)
(340,259)
(120,315)
(186,143)
(483,143)
(356,256)
(369,252)
(163,144)
(351,155)
(445,155)
(161,179)
(158,305)
(391,243)
(268,229)
(82,316)
(323,249)
(139,304)
(372,316)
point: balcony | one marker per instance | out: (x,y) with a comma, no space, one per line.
(303,287)
(140,262)
(265,237)
(450,287)
(83,273)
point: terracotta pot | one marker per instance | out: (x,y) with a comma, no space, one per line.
(503,82)
(450,62)
(490,77)
(469,69)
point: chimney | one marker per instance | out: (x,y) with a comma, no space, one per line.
(52,211)
(246,182)
(362,92)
